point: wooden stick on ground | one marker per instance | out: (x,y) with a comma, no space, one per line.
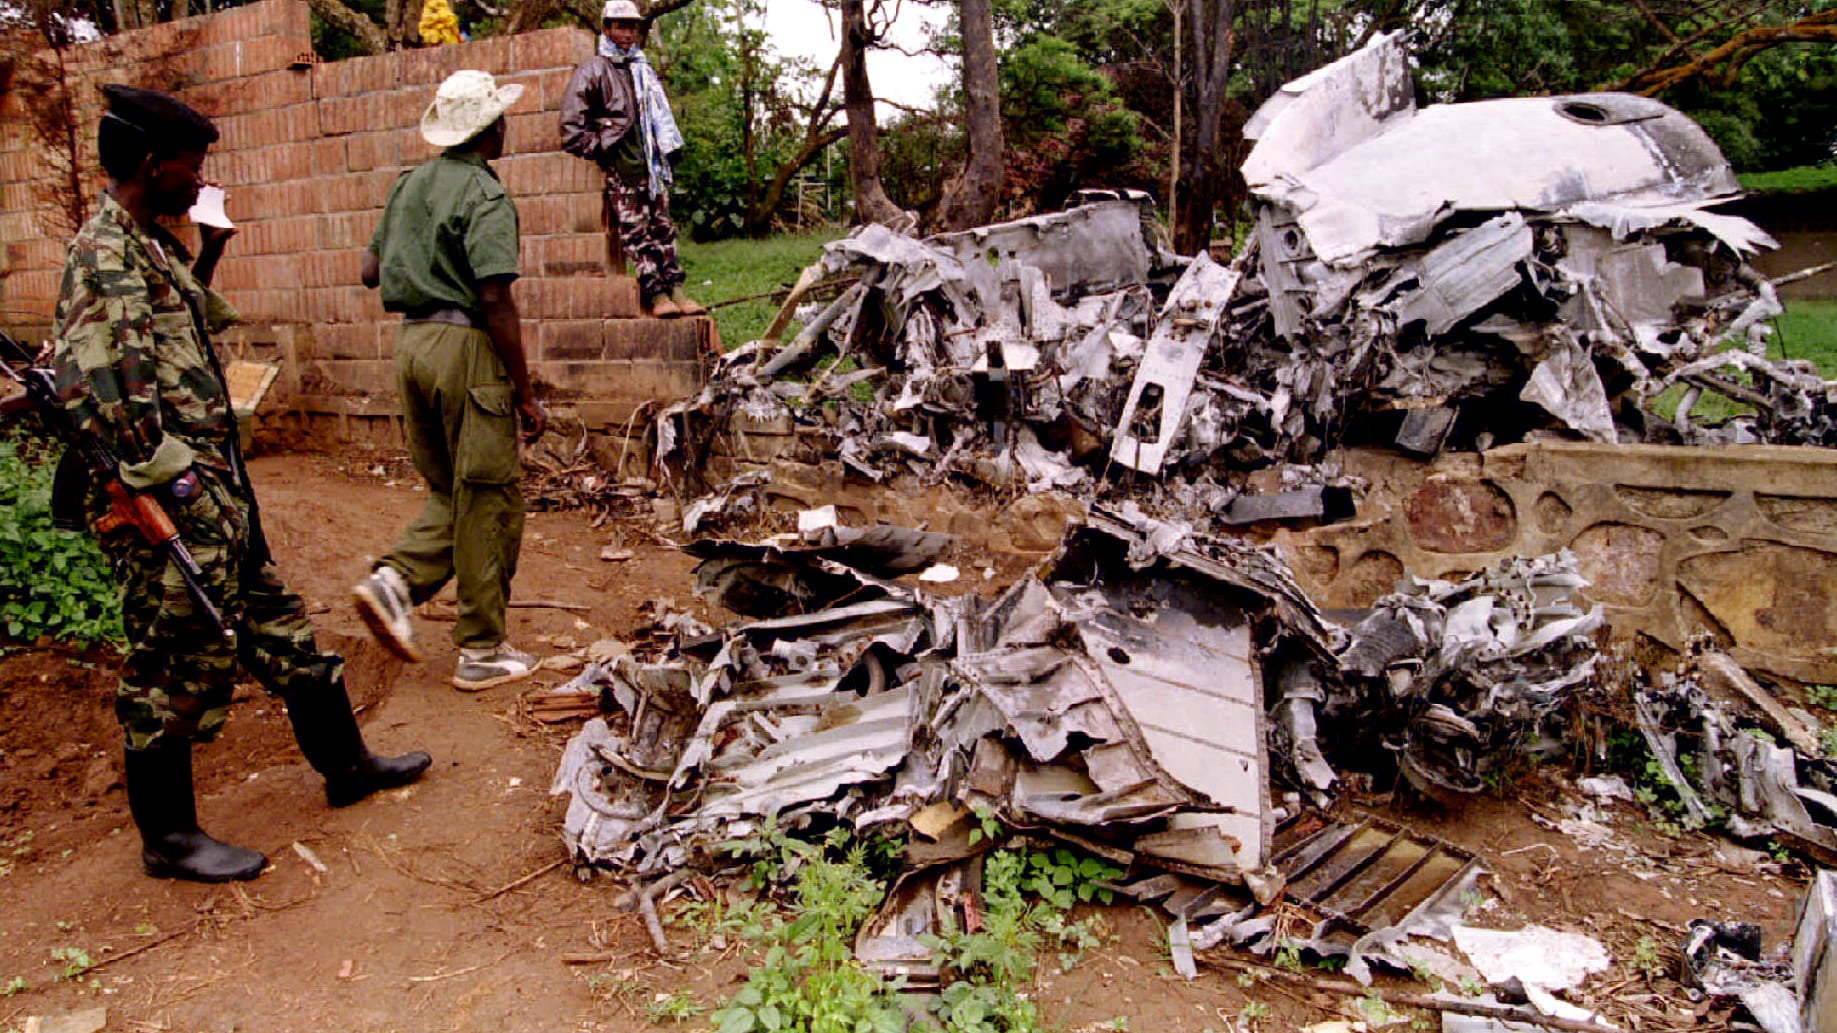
(647,906)
(507,887)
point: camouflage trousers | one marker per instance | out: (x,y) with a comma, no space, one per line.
(640,224)
(179,674)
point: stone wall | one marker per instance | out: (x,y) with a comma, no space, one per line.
(1736,543)
(307,156)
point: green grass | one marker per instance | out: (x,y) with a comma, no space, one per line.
(727,269)
(1806,330)
(1803,179)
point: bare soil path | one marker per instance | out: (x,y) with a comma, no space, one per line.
(448,905)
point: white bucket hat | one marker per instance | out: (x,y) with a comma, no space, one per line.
(467,103)
(620,11)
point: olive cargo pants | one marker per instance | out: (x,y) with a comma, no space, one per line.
(461,425)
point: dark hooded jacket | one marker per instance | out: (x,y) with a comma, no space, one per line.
(599,118)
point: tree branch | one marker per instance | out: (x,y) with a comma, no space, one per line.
(369,35)
(1724,63)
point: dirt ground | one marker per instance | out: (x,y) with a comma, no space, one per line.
(449,905)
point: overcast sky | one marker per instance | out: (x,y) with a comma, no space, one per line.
(802,28)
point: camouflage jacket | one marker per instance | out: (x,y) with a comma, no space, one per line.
(132,355)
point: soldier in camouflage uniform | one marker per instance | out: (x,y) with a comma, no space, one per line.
(136,369)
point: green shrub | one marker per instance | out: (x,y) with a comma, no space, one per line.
(53,583)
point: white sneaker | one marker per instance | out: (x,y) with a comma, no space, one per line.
(386,607)
(484,668)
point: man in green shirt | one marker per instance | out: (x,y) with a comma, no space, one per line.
(444,255)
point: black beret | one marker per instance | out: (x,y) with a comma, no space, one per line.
(162,117)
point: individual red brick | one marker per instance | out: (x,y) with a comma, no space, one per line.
(213,63)
(347,231)
(369,306)
(552,48)
(562,339)
(431,64)
(228,27)
(526,175)
(538,132)
(287,18)
(329,155)
(492,54)
(601,297)
(373,150)
(553,84)
(271,54)
(235,275)
(665,381)
(32,290)
(656,340)
(387,326)
(357,376)
(544,216)
(572,255)
(344,341)
(584,210)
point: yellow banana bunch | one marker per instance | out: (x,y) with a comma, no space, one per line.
(438,23)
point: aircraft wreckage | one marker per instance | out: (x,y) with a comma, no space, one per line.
(1158,694)
(1397,289)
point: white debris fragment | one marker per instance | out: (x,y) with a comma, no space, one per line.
(1544,960)
(939,574)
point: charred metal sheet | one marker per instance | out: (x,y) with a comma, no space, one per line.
(1326,504)
(1723,958)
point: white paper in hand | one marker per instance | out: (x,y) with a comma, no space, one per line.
(208,211)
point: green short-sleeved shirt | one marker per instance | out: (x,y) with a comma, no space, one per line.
(448,225)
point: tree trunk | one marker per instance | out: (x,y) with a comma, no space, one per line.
(871,201)
(973,194)
(1210,32)
(369,37)
(401,23)
(759,216)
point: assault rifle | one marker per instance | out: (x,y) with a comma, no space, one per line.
(127,507)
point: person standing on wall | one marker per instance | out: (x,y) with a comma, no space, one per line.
(615,114)
(135,367)
(445,256)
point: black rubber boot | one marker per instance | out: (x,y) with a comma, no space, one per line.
(328,735)
(165,809)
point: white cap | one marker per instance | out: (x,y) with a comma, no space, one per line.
(620,11)
(464,106)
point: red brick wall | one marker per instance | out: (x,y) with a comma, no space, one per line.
(307,157)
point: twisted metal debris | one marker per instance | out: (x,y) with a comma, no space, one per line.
(1402,286)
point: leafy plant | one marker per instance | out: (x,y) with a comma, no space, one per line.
(1646,959)
(52,583)
(75,962)
(1065,878)
(808,978)
(678,1007)
(14,985)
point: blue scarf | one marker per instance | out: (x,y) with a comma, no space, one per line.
(661,137)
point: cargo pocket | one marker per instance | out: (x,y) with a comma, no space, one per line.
(487,452)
